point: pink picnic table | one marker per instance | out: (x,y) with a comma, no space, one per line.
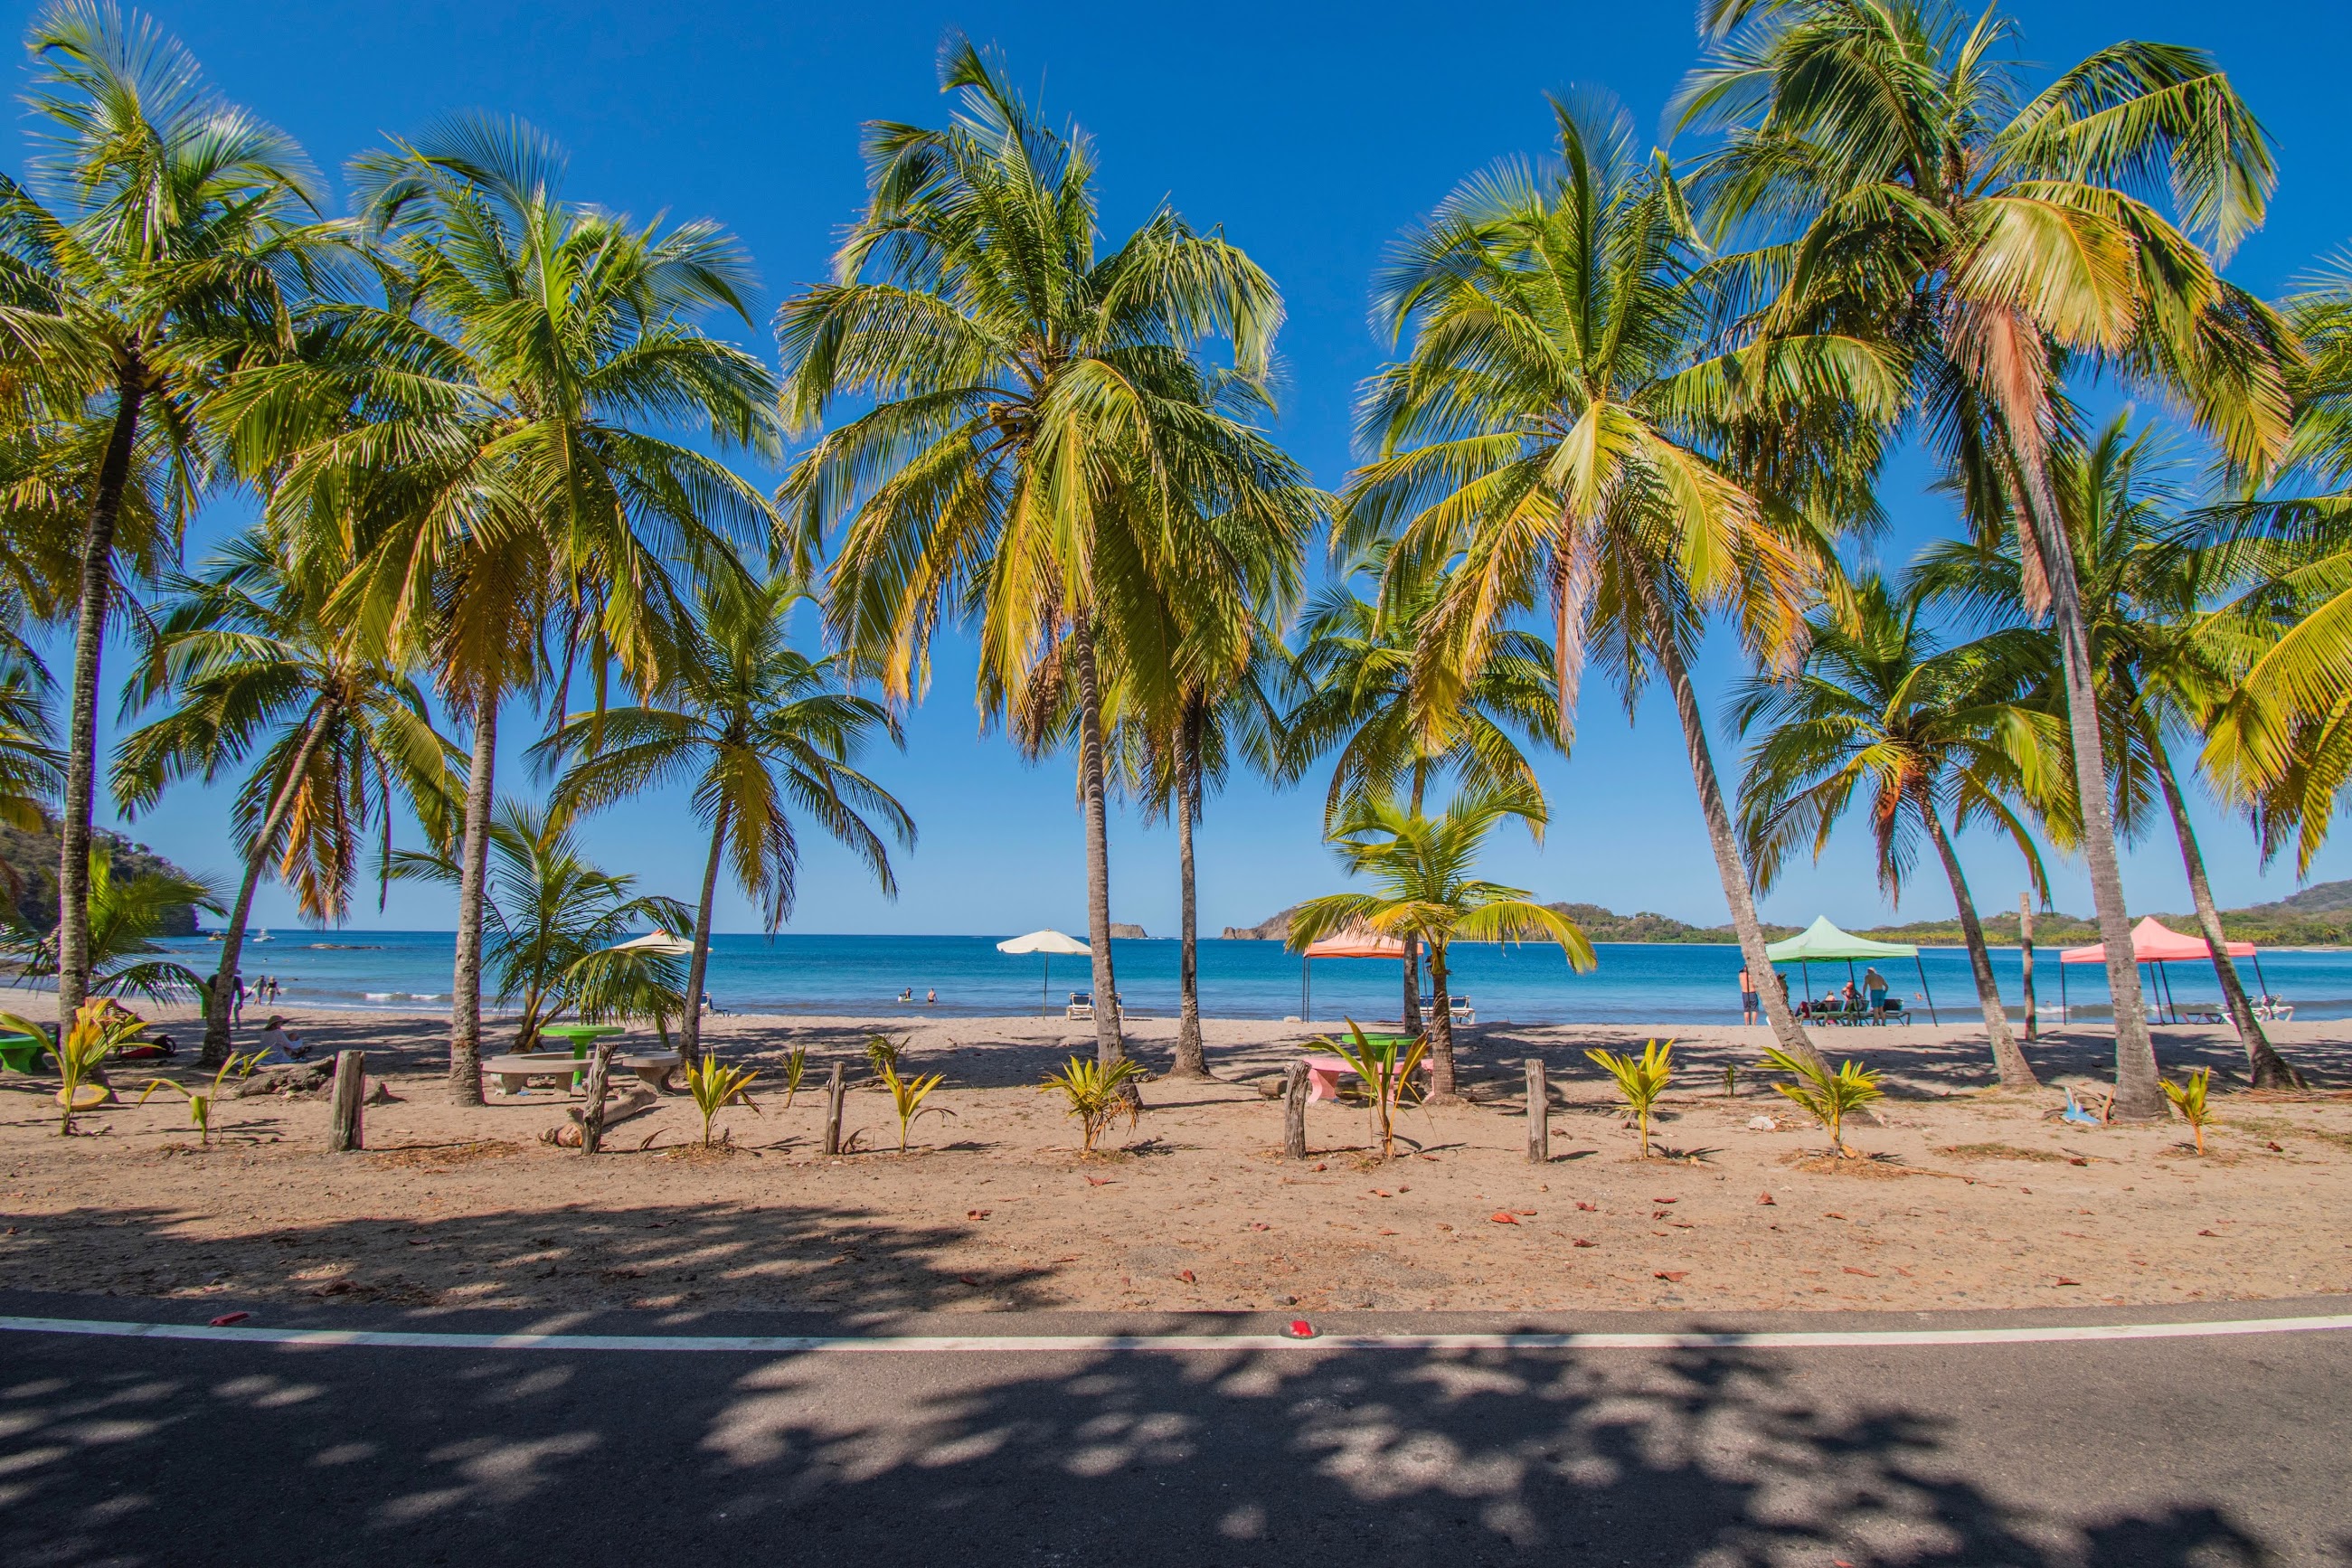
(1323,1073)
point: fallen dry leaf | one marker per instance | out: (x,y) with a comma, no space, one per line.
(1580,1241)
(1766,1199)
(976,1214)
(1586,1207)
(1672,1276)
(1499,1218)
(1186,1275)
(2062,1280)
(1099,1181)
(1866,1273)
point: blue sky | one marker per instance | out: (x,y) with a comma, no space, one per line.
(1312,133)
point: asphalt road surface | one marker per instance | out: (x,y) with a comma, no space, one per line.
(2213,1451)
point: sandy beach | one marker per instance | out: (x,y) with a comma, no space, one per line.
(1972,1199)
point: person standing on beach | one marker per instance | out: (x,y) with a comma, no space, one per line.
(1748,1000)
(1876,983)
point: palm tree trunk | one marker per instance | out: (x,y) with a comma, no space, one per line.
(1191,1060)
(1737,889)
(79,805)
(697,966)
(2268,1068)
(473,875)
(1109,1047)
(1411,1016)
(2138,1098)
(1441,1030)
(281,807)
(2007,1058)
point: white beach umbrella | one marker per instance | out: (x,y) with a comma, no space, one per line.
(657,941)
(1045,943)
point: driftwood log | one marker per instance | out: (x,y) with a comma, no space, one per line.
(592,1118)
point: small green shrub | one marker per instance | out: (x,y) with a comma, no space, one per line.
(1097,1094)
(796,1068)
(715,1086)
(202,1100)
(83,1052)
(1387,1071)
(1829,1096)
(2188,1098)
(1641,1079)
(906,1095)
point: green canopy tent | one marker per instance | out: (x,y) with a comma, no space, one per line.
(1822,942)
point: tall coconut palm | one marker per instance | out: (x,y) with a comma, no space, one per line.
(163,238)
(1559,429)
(1045,436)
(1361,705)
(554,919)
(1924,738)
(494,439)
(1424,868)
(2281,741)
(1896,184)
(761,732)
(2162,665)
(257,671)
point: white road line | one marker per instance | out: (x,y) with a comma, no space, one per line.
(795,1344)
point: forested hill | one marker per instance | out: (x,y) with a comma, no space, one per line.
(31,860)
(2319,916)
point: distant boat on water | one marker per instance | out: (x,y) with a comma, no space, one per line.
(262,936)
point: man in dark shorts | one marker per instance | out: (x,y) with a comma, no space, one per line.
(1749,1001)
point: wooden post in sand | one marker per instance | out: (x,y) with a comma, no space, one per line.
(1294,1113)
(592,1115)
(343,1130)
(1539,1114)
(835,1087)
(2025,945)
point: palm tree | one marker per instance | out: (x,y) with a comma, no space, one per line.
(492,439)
(554,920)
(1422,867)
(1897,189)
(2161,667)
(1555,429)
(126,914)
(256,671)
(2282,742)
(1048,456)
(761,732)
(1920,733)
(163,239)
(1356,661)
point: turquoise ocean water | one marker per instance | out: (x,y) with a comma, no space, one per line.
(1635,982)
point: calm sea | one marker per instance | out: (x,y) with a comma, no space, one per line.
(1635,982)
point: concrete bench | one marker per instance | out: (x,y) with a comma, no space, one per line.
(514,1072)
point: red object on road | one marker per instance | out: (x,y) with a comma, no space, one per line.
(225,1319)
(1301,1329)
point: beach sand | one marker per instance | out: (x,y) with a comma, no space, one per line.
(1971,1197)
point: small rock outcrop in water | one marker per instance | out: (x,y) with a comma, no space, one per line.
(1126,932)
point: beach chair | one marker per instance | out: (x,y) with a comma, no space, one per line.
(1460,1011)
(1081,1009)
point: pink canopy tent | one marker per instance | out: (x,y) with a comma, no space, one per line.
(1354,944)
(2155,942)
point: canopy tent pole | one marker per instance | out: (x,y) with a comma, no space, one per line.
(2064,1017)
(2258,974)
(1930,996)
(1304,964)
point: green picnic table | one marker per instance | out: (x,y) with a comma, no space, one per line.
(579,1036)
(21,1053)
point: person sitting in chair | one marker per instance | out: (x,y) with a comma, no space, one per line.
(277,1045)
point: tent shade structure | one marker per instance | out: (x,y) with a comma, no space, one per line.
(1046,944)
(657,941)
(1822,942)
(1355,942)
(2156,943)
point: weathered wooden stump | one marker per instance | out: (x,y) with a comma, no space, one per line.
(343,1130)
(592,1115)
(836,1088)
(1294,1113)
(1539,1114)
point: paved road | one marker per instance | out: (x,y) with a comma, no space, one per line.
(2209,1451)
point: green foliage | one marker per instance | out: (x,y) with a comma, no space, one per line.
(202,1100)
(1641,1079)
(796,1068)
(95,1035)
(715,1086)
(1097,1094)
(906,1095)
(552,922)
(1387,1074)
(882,1051)
(1828,1096)
(2188,1098)
(126,914)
